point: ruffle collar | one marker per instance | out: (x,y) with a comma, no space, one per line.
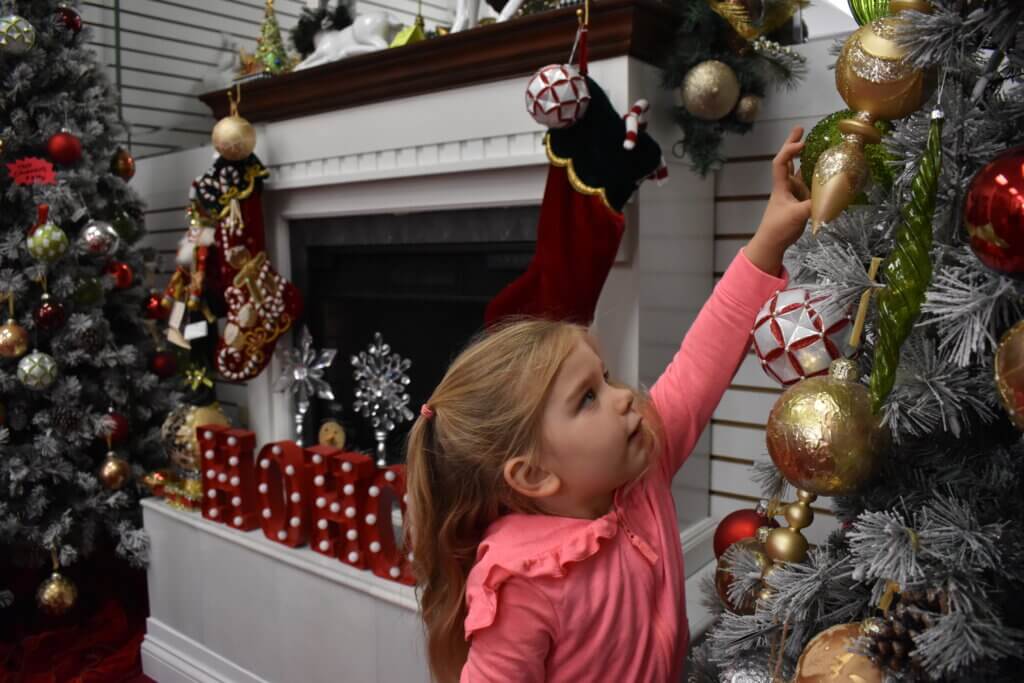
(531,546)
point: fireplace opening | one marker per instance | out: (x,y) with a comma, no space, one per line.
(421,280)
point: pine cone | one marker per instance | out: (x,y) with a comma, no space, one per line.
(65,419)
(891,639)
(92,340)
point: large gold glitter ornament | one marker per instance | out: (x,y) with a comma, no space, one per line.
(828,658)
(710,90)
(724,576)
(823,436)
(874,79)
(56,595)
(178,434)
(1009,373)
(17,35)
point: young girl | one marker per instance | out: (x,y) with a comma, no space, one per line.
(544,530)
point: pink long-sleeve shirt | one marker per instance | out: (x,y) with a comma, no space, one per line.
(570,600)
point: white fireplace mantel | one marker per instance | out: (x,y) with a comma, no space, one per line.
(469,147)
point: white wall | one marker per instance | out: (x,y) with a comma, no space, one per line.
(741,192)
(168,48)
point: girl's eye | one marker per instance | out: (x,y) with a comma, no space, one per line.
(588,398)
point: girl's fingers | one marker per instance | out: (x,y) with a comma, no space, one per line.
(782,164)
(798,187)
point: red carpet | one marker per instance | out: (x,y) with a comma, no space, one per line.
(97,642)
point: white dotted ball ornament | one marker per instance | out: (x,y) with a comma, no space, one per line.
(798,335)
(557,96)
(37,371)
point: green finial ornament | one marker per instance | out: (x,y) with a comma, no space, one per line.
(908,270)
(866,11)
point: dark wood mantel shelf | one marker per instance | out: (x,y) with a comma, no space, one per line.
(640,28)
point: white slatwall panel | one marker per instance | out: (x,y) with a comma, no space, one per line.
(169,46)
(741,191)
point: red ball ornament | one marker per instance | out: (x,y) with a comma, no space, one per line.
(155,310)
(122,272)
(49,315)
(119,434)
(994,213)
(123,164)
(163,364)
(70,17)
(64,148)
(738,525)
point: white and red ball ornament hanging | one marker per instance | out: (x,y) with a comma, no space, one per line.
(798,335)
(64,147)
(37,371)
(17,35)
(46,241)
(557,96)
(98,238)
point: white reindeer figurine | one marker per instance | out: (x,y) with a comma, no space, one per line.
(467,13)
(368,33)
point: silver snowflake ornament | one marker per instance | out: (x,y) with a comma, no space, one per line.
(303,375)
(381,395)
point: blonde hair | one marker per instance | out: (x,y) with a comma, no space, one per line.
(486,410)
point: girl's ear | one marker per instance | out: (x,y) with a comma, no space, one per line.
(530,479)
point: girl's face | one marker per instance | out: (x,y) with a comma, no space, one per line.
(591,431)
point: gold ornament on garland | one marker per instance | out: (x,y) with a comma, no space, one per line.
(753,18)
(830,658)
(748,108)
(1009,373)
(874,79)
(710,90)
(234,138)
(57,594)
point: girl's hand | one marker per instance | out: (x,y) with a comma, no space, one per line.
(789,207)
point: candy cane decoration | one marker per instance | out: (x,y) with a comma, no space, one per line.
(636,121)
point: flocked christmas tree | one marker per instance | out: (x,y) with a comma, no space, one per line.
(81,392)
(916,443)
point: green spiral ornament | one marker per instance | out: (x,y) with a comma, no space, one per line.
(908,270)
(866,11)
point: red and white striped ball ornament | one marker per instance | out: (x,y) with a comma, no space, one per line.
(557,96)
(798,335)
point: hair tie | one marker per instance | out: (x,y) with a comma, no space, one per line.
(426,411)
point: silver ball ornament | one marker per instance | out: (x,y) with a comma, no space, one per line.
(98,238)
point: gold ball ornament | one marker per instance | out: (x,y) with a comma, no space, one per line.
(828,659)
(331,434)
(13,340)
(179,437)
(1009,373)
(56,595)
(17,35)
(114,472)
(823,436)
(748,108)
(234,138)
(710,90)
(872,74)
(724,576)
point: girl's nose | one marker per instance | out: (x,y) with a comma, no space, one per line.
(624,400)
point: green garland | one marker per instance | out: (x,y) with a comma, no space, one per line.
(908,270)
(702,35)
